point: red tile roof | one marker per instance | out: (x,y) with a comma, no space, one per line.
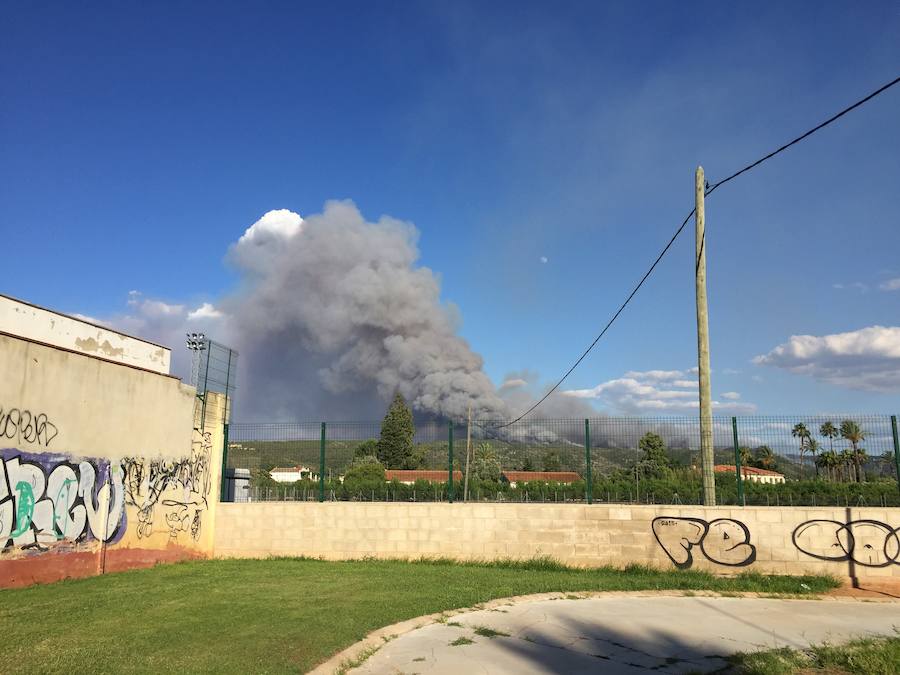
(746,470)
(411,475)
(554,476)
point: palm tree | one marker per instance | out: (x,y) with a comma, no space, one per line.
(800,431)
(746,457)
(846,459)
(829,431)
(851,432)
(827,460)
(813,446)
(765,457)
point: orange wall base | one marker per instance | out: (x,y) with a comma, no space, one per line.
(38,569)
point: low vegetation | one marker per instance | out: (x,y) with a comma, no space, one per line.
(820,473)
(865,657)
(283,615)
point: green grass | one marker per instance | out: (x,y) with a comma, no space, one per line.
(484,631)
(868,656)
(460,641)
(284,615)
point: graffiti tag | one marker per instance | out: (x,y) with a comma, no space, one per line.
(25,425)
(185,482)
(870,543)
(723,541)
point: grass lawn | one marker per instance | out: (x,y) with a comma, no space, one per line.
(866,657)
(282,615)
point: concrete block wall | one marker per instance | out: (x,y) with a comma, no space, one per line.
(861,543)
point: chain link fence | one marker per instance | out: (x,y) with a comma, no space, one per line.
(818,460)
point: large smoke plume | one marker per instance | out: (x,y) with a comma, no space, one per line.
(334,316)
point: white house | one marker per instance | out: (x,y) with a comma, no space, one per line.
(292,474)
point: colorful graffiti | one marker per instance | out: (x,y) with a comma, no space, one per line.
(51,499)
(724,541)
(45,499)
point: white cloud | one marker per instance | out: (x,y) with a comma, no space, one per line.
(731,395)
(653,392)
(854,285)
(275,224)
(654,375)
(158,308)
(731,371)
(514,383)
(890,285)
(543,259)
(262,245)
(867,359)
(205,311)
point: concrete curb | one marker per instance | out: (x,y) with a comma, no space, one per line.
(377,638)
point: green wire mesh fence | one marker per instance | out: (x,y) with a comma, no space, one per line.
(816,460)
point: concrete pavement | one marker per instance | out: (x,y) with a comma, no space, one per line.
(627,635)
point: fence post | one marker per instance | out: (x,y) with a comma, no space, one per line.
(896,448)
(589,486)
(450,463)
(224,491)
(739,474)
(322,465)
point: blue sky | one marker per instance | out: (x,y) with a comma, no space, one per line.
(139,142)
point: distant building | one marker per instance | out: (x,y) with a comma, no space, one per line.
(515,477)
(752,473)
(292,474)
(410,476)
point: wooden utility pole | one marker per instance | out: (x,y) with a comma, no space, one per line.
(468,454)
(707,459)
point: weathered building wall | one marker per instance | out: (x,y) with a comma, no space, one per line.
(103,466)
(844,542)
(38,324)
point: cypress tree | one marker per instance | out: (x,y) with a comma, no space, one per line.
(395,447)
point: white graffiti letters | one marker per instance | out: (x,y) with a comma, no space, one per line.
(37,509)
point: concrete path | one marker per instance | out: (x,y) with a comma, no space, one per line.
(623,634)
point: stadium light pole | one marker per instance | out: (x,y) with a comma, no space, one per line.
(706,436)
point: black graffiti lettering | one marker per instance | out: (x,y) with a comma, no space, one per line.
(147,481)
(724,541)
(24,425)
(870,543)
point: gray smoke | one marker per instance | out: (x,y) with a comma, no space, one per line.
(334,316)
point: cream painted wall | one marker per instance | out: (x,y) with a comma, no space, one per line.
(723,540)
(96,408)
(43,325)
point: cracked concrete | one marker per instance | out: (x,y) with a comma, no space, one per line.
(627,635)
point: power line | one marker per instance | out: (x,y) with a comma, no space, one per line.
(807,134)
(665,250)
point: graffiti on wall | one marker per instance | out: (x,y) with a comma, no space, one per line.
(724,541)
(870,543)
(23,425)
(47,499)
(175,489)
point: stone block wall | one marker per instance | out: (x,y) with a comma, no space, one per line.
(861,543)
